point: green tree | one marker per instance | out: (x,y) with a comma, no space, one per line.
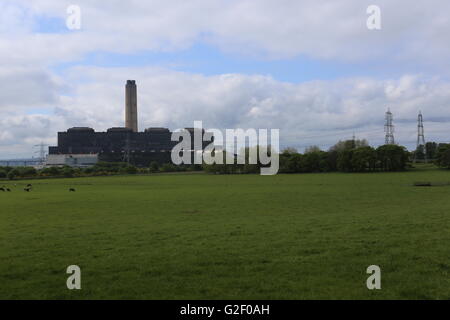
(316,161)
(290,161)
(88,170)
(419,153)
(154,166)
(311,149)
(431,150)
(168,167)
(349,144)
(67,172)
(54,171)
(392,157)
(344,160)
(363,159)
(332,159)
(13,174)
(443,155)
(27,172)
(129,169)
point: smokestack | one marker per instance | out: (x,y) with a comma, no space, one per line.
(131,120)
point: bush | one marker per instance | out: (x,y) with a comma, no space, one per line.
(50,171)
(169,167)
(88,170)
(67,172)
(443,156)
(27,172)
(344,160)
(154,166)
(110,166)
(129,169)
(364,159)
(13,174)
(392,157)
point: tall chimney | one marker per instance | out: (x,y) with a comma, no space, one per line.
(131,120)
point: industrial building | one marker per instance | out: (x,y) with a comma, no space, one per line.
(83,146)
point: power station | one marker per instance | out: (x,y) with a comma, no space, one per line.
(83,146)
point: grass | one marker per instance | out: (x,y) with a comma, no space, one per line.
(308,236)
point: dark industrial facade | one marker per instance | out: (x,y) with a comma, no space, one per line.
(123,143)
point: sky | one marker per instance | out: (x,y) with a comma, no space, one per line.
(312,69)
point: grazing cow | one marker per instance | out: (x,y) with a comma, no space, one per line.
(27,189)
(72,190)
(8,189)
(2,189)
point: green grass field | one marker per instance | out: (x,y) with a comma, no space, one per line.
(200,236)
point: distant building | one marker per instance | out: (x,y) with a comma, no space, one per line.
(122,144)
(73,160)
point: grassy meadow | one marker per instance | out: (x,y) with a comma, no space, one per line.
(199,236)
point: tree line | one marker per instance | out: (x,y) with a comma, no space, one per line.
(345,156)
(99,169)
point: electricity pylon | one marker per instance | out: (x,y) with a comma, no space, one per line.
(389,128)
(420,138)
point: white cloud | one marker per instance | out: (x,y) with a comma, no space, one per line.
(23,87)
(316,112)
(412,32)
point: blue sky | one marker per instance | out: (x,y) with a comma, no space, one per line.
(209,60)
